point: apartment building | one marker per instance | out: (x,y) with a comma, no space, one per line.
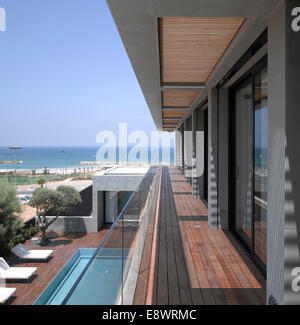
(224,76)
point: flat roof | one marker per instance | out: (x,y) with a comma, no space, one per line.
(128,171)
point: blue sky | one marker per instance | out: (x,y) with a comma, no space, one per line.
(65,75)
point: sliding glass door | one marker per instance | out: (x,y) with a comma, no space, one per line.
(260,164)
(249,164)
(243,161)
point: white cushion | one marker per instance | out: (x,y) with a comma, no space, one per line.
(5,294)
(20,250)
(37,254)
(18,273)
(24,253)
(3,265)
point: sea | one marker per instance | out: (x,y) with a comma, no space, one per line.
(261,158)
(70,157)
(34,158)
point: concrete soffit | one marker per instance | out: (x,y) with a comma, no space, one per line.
(137,22)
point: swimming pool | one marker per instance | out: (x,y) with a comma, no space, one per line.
(99,286)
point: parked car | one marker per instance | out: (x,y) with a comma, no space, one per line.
(24,199)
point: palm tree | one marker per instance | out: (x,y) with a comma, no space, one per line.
(41,181)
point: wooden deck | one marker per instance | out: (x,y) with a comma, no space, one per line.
(64,247)
(185,262)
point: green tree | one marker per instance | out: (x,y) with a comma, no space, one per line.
(10,222)
(62,200)
(41,181)
(72,198)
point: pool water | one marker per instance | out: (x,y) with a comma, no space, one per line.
(99,286)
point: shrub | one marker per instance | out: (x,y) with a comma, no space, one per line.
(24,234)
(10,222)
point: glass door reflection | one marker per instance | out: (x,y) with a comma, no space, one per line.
(243,162)
(250,170)
(260,164)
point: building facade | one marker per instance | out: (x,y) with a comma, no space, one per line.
(225,76)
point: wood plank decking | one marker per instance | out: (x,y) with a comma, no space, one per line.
(63,248)
(185,262)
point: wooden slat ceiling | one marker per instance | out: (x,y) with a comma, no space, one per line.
(175,114)
(190,48)
(166,126)
(178,98)
(171,121)
(169,126)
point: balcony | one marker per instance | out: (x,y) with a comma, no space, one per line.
(185,262)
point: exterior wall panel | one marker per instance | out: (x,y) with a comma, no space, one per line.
(213,158)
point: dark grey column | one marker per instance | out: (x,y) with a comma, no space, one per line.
(213,158)
(101,212)
(218,146)
(98,210)
(200,127)
(195,188)
(187,150)
(283,233)
(223,148)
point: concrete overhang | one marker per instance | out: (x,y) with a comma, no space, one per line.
(137,22)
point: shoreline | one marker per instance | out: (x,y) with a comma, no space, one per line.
(89,167)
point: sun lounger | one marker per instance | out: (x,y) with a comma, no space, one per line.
(15,273)
(5,294)
(31,254)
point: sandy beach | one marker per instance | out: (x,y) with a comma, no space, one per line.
(78,184)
